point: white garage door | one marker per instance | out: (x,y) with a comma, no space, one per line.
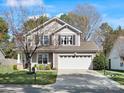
(74,62)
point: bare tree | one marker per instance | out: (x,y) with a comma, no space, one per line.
(87,19)
(16,17)
(26,41)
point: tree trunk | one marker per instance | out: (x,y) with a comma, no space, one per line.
(28,62)
(29,66)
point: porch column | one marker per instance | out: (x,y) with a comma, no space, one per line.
(19,58)
(53,60)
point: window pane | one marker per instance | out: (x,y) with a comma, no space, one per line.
(70,40)
(45,60)
(121,64)
(46,40)
(45,57)
(66,39)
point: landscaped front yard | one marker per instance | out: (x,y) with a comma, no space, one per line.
(21,77)
(10,76)
(115,75)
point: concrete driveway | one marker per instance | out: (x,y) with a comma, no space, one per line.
(85,82)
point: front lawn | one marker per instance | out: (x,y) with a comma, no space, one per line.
(6,69)
(21,77)
(115,75)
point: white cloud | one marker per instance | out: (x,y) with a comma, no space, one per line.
(37,16)
(46,14)
(34,17)
(58,15)
(26,3)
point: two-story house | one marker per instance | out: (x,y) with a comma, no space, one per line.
(60,45)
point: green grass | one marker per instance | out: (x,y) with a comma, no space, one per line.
(10,76)
(6,69)
(115,75)
(21,77)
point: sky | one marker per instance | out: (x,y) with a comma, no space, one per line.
(112,11)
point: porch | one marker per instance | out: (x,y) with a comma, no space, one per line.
(37,59)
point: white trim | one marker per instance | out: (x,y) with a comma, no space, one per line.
(19,58)
(65,26)
(54,60)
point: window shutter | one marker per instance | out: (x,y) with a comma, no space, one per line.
(50,39)
(73,39)
(36,39)
(59,39)
(41,40)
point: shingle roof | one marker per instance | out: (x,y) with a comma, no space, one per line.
(85,47)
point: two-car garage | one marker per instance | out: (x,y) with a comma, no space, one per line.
(74,61)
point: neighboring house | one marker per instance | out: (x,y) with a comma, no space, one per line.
(2,54)
(61,46)
(116,57)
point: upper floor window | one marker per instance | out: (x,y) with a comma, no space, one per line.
(66,40)
(29,41)
(44,40)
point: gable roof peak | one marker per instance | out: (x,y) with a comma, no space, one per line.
(50,20)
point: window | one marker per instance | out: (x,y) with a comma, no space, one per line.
(40,59)
(66,40)
(29,42)
(44,40)
(121,64)
(43,59)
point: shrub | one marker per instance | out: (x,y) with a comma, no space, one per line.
(35,66)
(41,67)
(99,62)
(15,67)
(48,67)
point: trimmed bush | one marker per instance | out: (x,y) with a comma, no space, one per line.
(41,67)
(15,67)
(48,67)
(35,66)
(99,62)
